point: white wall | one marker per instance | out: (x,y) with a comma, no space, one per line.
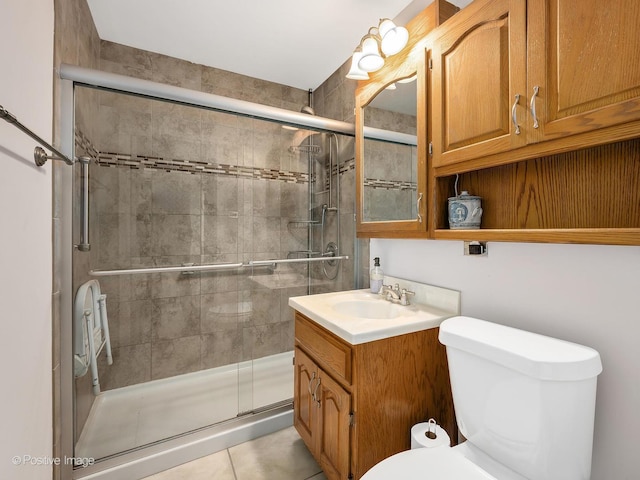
(26,56)
(587,294)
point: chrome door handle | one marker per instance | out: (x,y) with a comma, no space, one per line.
(315,393)
(313,377)
(514,117)
(536,89)
(418,207)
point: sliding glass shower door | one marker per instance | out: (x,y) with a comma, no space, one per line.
(179,186)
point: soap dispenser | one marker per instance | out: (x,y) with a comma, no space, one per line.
(376,277)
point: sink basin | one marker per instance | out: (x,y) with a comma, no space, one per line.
(359,316)
(371,308)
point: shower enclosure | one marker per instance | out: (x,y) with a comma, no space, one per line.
(258,202)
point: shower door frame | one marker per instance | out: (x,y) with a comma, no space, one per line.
(70,76)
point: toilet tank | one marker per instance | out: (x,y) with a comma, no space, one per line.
(526,400)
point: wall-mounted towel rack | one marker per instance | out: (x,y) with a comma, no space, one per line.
(190,269)
(39,155)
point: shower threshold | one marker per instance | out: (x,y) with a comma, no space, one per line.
(130,418)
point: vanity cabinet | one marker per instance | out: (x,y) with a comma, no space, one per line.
(354,405)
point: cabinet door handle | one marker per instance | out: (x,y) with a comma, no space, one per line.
(536,89)
(315,393)
(418,206)
(514,117)
(313,377)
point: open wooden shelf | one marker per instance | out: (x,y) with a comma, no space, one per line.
(584,196)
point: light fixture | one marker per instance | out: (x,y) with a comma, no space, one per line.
(371,60)
(393,38)
(382,41)
(356,73)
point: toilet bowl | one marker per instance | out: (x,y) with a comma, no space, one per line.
(514,395)
(441,463)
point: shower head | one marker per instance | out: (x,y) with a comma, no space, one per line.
(308,110)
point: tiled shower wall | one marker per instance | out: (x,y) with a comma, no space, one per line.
(390,172)
(77,43)
(177,184)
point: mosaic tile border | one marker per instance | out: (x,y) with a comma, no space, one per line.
(389,184)
(108,159)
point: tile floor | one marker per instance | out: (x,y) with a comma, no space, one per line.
(279,456)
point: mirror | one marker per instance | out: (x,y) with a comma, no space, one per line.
(390,166)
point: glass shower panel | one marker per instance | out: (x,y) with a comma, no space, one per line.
(175,185)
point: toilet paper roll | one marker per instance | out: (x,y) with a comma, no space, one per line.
(419,438)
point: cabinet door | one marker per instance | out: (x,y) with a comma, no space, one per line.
(584,58)
(479,67)
(305,381)
(334,426)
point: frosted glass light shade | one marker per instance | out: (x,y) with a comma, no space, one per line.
(355,73)
(394,38)
(371,59)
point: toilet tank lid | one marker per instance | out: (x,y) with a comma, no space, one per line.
(535,355)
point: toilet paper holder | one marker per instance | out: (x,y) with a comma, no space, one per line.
(431,429)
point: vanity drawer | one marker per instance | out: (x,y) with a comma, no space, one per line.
(331,353)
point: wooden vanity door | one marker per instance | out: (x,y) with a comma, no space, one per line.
(479,66)
(583,57)
(304,415)
(334,428)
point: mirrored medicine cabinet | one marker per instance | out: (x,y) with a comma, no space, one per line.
(390,165)
(391,137)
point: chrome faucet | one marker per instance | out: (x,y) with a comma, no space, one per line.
(395,295)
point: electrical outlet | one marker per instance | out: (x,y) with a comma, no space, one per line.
(475,248)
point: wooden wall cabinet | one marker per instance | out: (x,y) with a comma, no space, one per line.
(354,405)
(478,82)
(536,108)
(508,73)
(584,61)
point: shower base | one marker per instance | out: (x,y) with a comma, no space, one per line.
(129,418)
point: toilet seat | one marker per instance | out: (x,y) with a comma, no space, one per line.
(442,463)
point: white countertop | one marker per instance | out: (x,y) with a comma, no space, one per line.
(332,311)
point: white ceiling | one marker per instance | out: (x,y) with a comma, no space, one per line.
(292,42)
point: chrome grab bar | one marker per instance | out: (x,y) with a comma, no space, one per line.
(211,267)
(84,245)
(257,263)
(182,268)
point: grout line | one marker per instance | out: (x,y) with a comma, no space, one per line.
(233,468)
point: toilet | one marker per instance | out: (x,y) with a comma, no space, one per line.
(524,402)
